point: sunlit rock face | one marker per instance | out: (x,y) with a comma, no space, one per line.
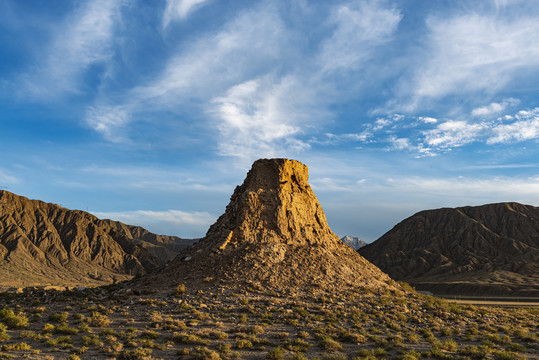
(274,232)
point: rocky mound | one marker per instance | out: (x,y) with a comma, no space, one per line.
(489,249)
(273,234)
(354,242)
(46,244)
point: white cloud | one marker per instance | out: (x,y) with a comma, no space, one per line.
(424,192)
(359,29)
(263,101)
(206,67)
(155,178)
(179,9)
(267,115)
(428,120)
(247,43)
(382,123)
(453,133)
(526,127)
(362,136)
(502,166)
(173,222)
(474,52)
(261,118)
(523,126)
(7,178)
(331,184)
(493,108)
(400,143)
(176,217)
(468,53)
(445,135)
(526,113)
(337,138)
(108,121)
(425,151)
(85,38)
(471,190)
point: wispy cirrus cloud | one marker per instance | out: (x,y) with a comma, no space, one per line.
(474,52)
(108,121)
(267,118)
(154,178)
(83,39)
(247,44)
(179,9)
(472,189)
(259,102)
(468,53)
(202,70)
(173,222)
(6,177)
(460,189)
(331,184)
(359,29)
(177,217)
(256,118)
(335,139)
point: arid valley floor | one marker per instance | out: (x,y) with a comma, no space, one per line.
(117,322)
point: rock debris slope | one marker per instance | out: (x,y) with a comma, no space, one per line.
(489,249)
(274,233)
(46,244)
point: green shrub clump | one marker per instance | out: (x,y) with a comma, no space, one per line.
(180,290)
(11,320)
(99,320)
(327,343)
(59,318)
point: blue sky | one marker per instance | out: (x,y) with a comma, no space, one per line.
(151,112)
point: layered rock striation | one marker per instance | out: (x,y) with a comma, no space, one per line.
(163,247)
(274,233)
(489,249)
(46,244)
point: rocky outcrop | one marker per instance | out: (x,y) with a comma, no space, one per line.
(46,244)
(354,242)
(490,249)
(274,233)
